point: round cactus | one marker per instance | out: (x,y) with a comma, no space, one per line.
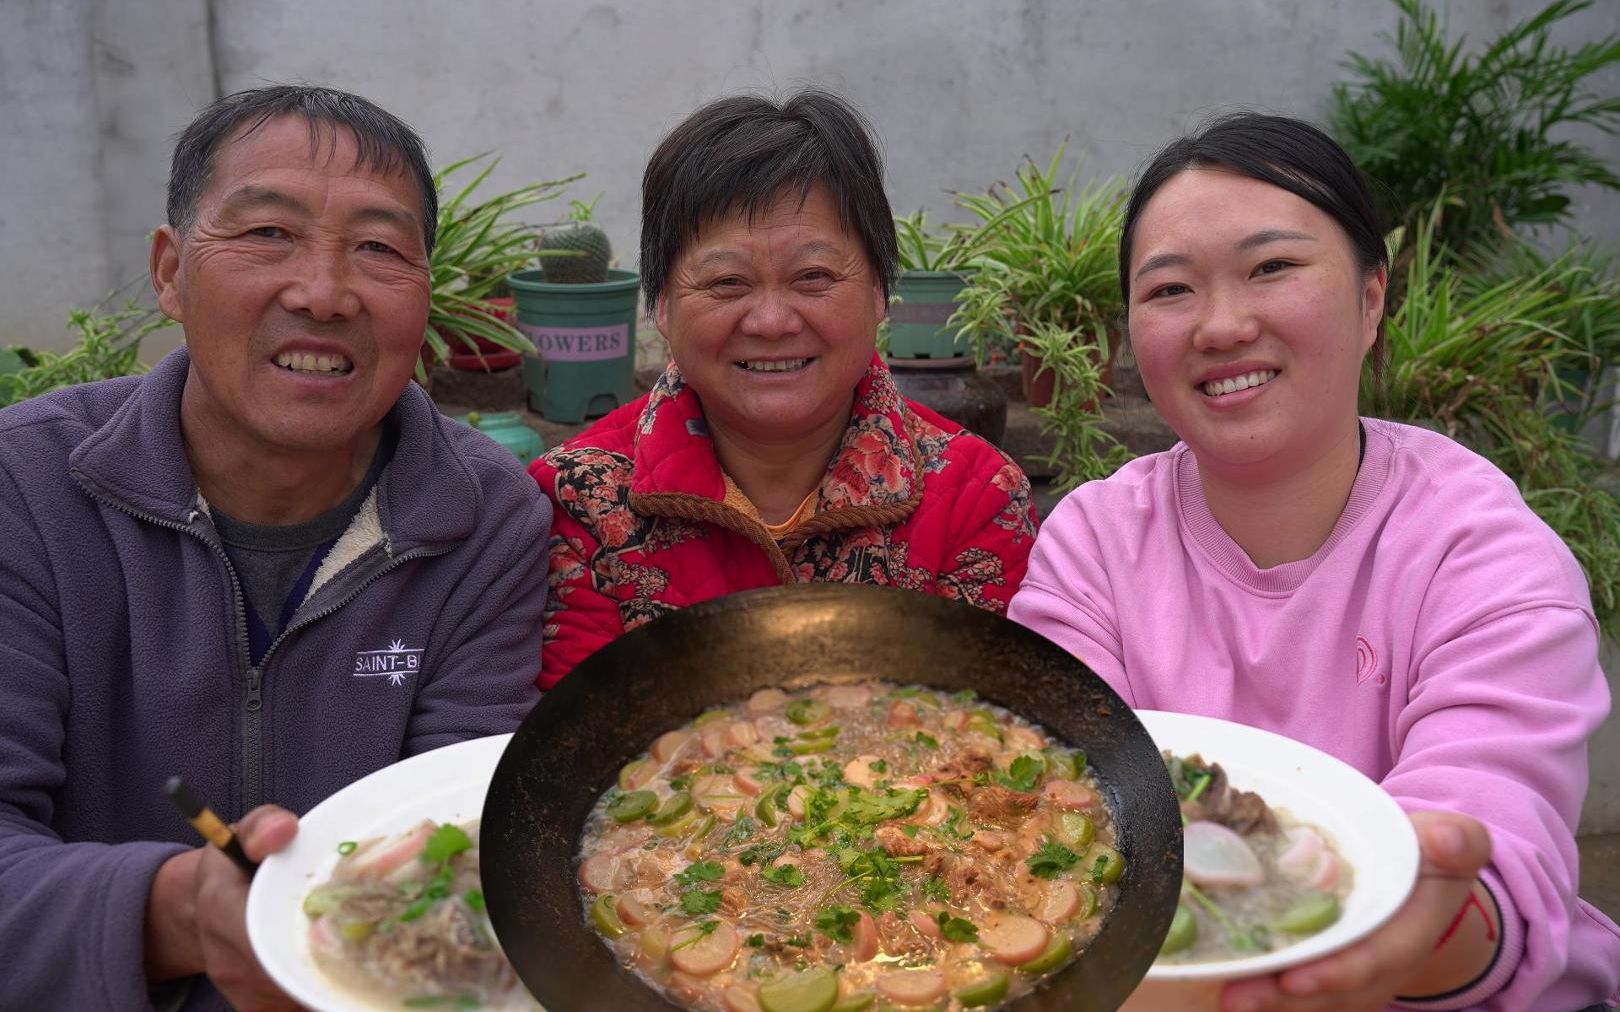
(591,252)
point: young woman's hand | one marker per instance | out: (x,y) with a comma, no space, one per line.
(1425,949)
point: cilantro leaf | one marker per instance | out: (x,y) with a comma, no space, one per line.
(927,740)
(934,888)
(700,901)
(740,830)
(1052,859)
(788,876)
(956,929)
(760,853)
(702,871)
(837,923)
(1024,773)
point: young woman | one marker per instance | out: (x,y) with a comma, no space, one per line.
(1372,589)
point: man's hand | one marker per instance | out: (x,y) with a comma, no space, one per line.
(1402,957)
(196,914)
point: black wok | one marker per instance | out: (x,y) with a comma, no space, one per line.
(655,678)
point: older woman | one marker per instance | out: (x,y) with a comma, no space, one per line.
(775,448)
(1373,589)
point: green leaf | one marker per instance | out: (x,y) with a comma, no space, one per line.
(700,901)
(787,876)
(956,929)
(837,922)
(701,871)
(446,842)
(1051,859)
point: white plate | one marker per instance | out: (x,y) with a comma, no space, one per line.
(447,785)
(1366,825)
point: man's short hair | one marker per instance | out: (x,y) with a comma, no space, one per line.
(386,143)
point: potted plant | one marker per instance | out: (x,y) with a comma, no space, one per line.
(1049,257)
(109,345)
(934,269)
(580,314)
(478,245)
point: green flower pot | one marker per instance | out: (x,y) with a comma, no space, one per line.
(507,429)
(585,341)
(917,322)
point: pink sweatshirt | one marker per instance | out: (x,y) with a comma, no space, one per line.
(1441,641)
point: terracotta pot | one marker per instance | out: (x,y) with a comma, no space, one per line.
(1038,384)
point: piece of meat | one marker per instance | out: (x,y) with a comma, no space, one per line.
(1001,806)
(1240,811)
(898,844)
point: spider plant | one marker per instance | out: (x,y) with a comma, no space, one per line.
(1049,255)
(1486,361)
(1487,128)
(1047,283)
(478,245)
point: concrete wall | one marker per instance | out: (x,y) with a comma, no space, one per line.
(92,92)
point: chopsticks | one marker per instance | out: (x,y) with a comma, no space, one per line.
(207,824)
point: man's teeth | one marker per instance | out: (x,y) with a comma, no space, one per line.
(303,361)
(780,365)
(1232,384)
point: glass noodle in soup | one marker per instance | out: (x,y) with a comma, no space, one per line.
(848,845)
(401,923)
(1256,879)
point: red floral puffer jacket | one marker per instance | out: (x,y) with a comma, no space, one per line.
(640,525)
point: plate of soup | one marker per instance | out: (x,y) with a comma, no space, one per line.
(378,902)
(1290,854)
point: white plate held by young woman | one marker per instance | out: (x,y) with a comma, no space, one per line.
(1365,824)
(446,785)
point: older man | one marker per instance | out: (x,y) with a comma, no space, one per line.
(203,565)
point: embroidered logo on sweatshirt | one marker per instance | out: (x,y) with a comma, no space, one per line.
(396,664)
(1367,663)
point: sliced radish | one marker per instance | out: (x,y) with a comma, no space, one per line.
(766,700)
(323,936)
(796,801)
(669,745)
(865,939)
(924,923)
(1060,901)
(933,810)
(599,873)
(718,793)
(386,857)
(747,782)
(1070,794)
(1024,739)
(1326,875)
(902,714)
(701,955)
(1298,860)
(1014,939)
(634,912)
(741,998)
(847,697)
(912,987)
(741,733)
(858,771)
(714,741)
(1216,856)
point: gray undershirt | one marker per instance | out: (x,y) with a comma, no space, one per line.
(269,558)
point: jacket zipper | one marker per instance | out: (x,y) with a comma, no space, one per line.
(253,754)
(253,675)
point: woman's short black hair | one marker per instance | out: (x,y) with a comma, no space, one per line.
(743,153)
(1284,152)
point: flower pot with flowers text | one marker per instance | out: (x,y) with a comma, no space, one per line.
(584,335)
